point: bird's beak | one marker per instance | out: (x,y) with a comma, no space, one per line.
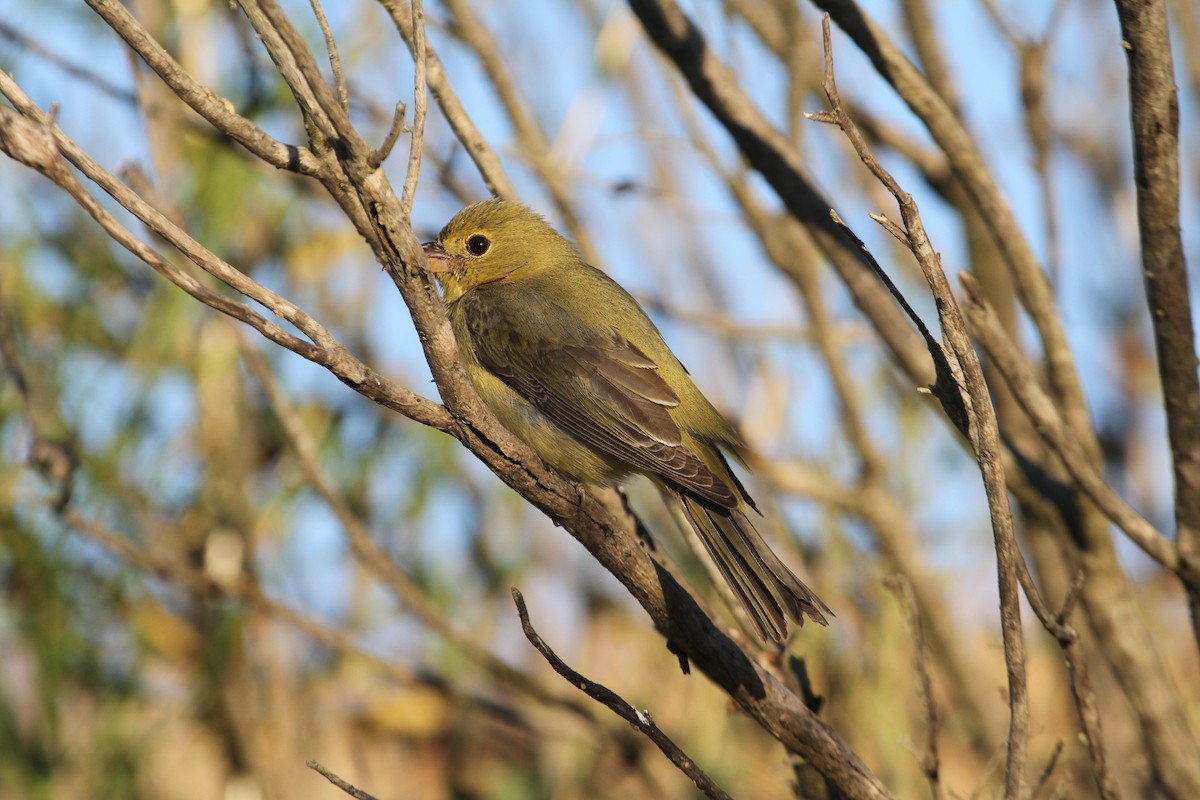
(440,261)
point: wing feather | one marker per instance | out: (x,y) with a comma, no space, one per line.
(604,391)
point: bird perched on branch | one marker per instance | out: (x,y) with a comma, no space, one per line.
(570,363)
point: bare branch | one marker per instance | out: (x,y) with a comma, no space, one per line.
(983,432)
(335,60)
(640,720)
(417,146)
(1155,121)
(481,152)
(930,764)
(356,793)
(1044,778)
(217,110)
(596,518)
(1041,411)
(772,155)
(393,134)
(40,148)
(968,164)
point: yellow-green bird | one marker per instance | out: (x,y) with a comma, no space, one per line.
(570,363)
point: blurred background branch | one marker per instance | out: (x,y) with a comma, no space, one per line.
(217,563)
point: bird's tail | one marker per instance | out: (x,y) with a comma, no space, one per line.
(766,588)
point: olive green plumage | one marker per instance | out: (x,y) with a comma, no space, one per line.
(570,363)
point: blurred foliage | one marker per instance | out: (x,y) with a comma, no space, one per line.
(130,666)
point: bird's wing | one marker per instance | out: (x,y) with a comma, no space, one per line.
(597,386)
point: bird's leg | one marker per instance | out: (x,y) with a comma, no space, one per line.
(580,495)
(580,492)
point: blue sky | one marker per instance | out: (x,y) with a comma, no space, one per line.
(586,116)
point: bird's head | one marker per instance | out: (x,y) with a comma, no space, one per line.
(495,240)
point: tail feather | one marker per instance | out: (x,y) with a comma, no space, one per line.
(763,584)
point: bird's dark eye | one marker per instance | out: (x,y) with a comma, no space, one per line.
(478,244)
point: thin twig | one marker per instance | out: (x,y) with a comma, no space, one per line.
(335,60)
(356,793)
(38,146)
(417,145)
(328,127)
(714,83)
(640,720)
(873,499)
(970,168)
(1086,708)
(35,142)
(393,134)
(476,145)
(948,386)
(1169,745)
(1044,778)
(930,764)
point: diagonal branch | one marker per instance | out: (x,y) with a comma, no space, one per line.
(639,720)
(596,518)
(1049,425)
(773,156)
(983,433)
(968,164)
(477,147)
(35,141)
(218,111)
